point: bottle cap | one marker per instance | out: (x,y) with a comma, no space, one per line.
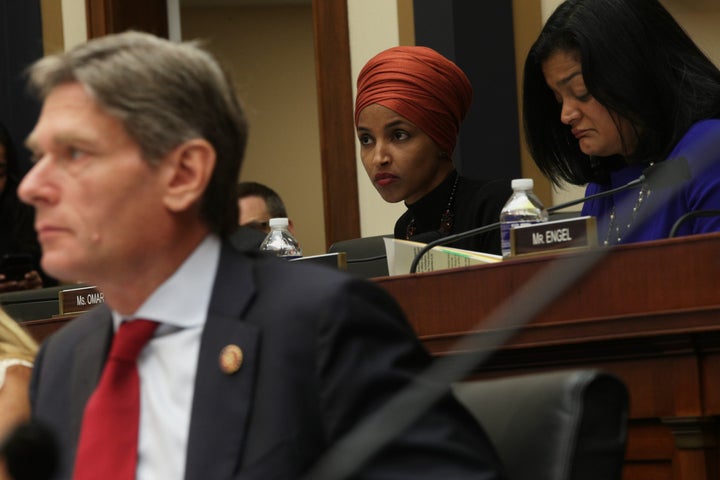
(522,184)
(279,221)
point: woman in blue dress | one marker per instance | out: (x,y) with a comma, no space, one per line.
(612,87)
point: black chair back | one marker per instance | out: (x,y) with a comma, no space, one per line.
(568,425)
(365,256)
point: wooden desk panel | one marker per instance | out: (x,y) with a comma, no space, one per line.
(43,328)
(650,313)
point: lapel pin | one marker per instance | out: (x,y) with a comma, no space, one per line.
(231,358)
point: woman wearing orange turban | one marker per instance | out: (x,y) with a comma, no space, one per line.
(409,107)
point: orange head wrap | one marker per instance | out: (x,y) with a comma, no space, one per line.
(421,85)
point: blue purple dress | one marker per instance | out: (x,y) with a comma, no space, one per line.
(700,146)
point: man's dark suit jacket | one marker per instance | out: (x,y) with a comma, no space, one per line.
(246,238)
(321,351)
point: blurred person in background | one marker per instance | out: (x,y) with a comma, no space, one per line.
(259,203)
(19,247)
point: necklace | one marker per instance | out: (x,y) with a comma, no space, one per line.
(614,235)
(447,219)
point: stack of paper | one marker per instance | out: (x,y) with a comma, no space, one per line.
(401,253)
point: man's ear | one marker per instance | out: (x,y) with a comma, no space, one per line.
(189,168)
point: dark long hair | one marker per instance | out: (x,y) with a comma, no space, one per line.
(636,61)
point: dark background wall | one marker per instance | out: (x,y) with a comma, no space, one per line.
(478,37)
(20,45)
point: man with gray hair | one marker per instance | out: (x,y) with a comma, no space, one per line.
(204,362)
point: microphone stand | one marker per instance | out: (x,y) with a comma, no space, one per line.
(450,239)
(638,181)
(688,216)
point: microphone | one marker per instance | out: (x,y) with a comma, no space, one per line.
(659,176)
(668,174)
(30,452)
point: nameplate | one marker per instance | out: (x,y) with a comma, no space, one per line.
(573,234)
(77,300)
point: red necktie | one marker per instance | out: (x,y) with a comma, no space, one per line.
(108,439)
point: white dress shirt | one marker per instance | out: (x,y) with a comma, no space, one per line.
(168,364)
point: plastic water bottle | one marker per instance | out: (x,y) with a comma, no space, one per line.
(523,208)
(280,241)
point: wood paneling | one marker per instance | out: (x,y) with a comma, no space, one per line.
(649,313)
(114,16)
(335,110)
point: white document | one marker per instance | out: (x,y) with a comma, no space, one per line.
(401,253)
